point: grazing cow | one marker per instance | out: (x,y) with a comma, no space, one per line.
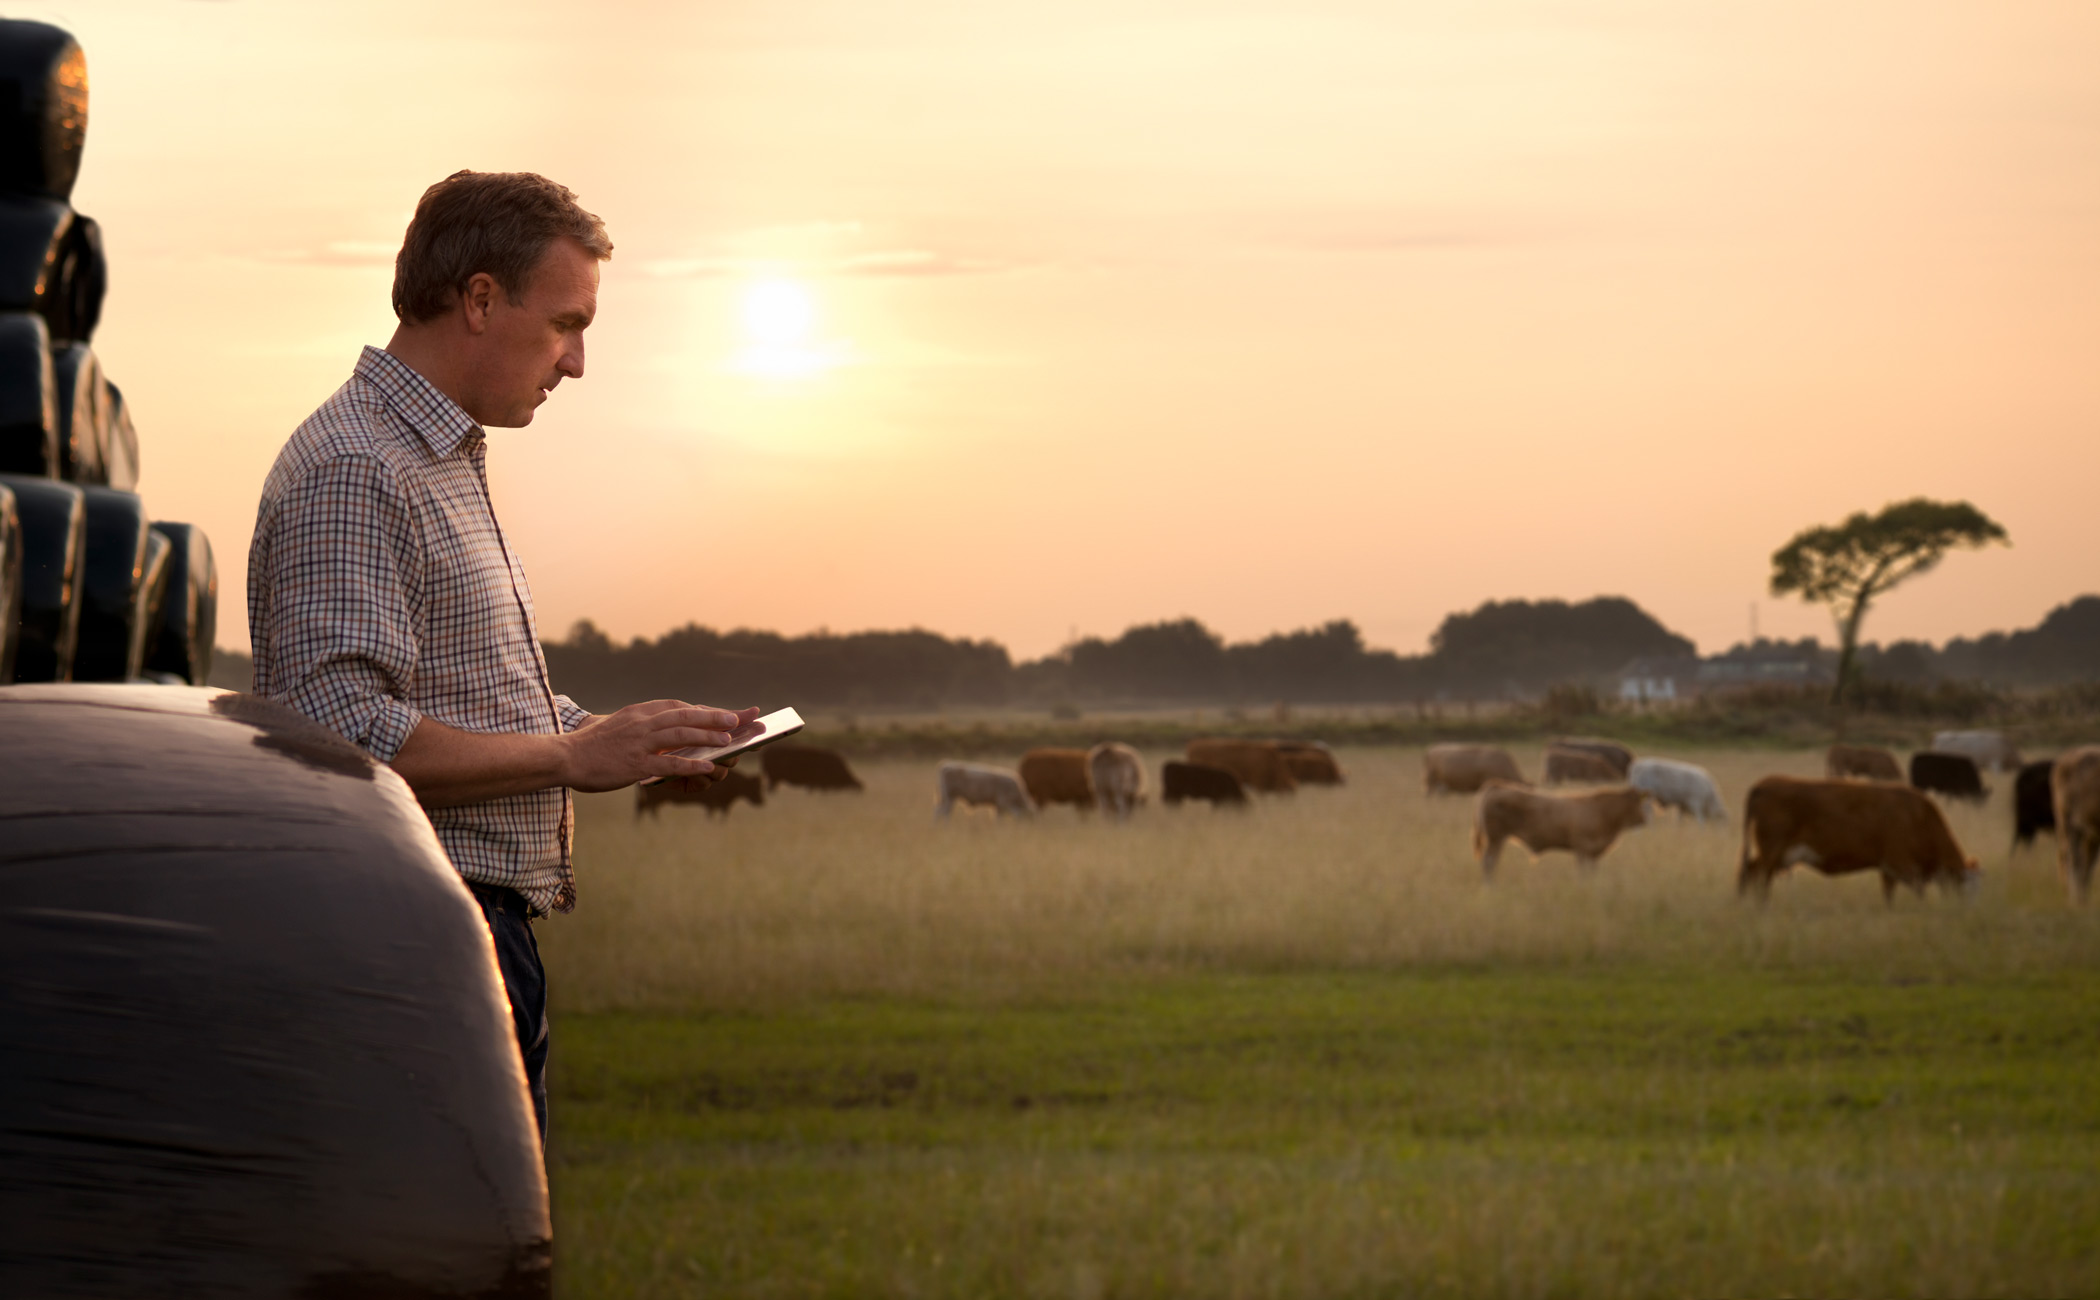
(1310,763)
(1584,824)
(1057,776)
(1565,765)
(1463,769)
(719,797)
(1686,787)
(1620,757)
(2076,786)
(1257,763)
(1990,749)
(1215,785)
(1861,761)
(1953,775)
(807,765)
(973,783)
(2034,803)
(1844,826)
(1118,776)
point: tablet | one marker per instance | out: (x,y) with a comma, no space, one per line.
(755,734)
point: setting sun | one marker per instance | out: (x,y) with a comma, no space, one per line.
(780,334)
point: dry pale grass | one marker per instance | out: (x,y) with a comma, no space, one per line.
(822,895)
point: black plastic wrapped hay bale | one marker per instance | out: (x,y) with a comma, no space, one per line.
(43,109)
(146,609)
(10,583)
(109,591)
(121,468)
(253,1041)
(28,397)
(54,541)
(51,263)
(189,609)
(83,415)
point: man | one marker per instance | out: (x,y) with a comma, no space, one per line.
(385,602)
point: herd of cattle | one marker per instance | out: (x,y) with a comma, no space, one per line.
(1867,814)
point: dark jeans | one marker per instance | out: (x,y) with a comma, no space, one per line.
(524,979)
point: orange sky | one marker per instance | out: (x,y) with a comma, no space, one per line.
(1088,313)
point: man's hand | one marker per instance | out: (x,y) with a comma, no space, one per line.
(618,749)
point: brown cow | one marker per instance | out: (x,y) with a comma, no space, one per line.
(1617,755)
(1565,765)
(2075,790)
(1257,763)
(719,797)
(1310,764)
(1463,769)
(1057,776)
(1179,781)
(1842,826)
(807,765)
(1584,824)
(1863,761)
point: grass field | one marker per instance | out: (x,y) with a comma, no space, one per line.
(830,1047)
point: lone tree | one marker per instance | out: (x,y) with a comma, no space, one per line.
(1846,567)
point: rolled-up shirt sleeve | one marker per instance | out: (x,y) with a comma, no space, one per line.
(344,573)
(573,715)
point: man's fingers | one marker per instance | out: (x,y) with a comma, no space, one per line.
(686,738)
(670,765)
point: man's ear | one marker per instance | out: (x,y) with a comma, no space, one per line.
(477,299)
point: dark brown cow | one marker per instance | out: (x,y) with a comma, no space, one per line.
(1953,775)
(719,797)
(1584,824)
(1863,761)
(1463,769)
(2034,802)
(1215,785)
(1310,764)
(1845,826)
(1058,776)
(1257,763)
(1565,766)
(1612,752)
(2076,786)
(806,765)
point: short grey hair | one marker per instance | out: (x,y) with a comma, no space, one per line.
(498,222)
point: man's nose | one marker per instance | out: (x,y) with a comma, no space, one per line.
(571,363)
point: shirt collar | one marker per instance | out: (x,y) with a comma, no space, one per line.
(436,418)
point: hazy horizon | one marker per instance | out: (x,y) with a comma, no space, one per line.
(1020,321)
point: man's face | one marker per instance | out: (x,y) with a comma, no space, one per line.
(530,345)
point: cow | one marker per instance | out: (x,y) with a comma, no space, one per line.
(1620,757)
(1863,761)
(1844,826)
(1953,775)
(1584,824)
(1686,787)
(1463,769)
(1257,763)
(2034,803)
(1057,776)
(718,797)
(1564,766)
(807,765)
(1214,785)
(1310,763)
(2075,785)
(1118,777)
(1990,749)
(974,783)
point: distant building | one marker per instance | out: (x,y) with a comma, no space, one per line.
(1653,680)
(1668,679)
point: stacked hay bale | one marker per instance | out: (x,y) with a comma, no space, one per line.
(91,589)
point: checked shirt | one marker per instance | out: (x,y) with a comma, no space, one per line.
(381,591)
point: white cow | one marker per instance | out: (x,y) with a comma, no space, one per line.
(1119,777)
(974,783)
(1990,749)
(1684,786)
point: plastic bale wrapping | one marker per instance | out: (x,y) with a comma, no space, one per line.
(53,518)
(189,610)
(115,560)
(153,589)
(43,109)
(28,397)
(73,304)
(121,463)
(51,264)
(268,1051)
(10,583)
(83,415)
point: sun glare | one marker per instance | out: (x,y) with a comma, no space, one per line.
(781,338)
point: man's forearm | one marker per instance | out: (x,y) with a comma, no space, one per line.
(447,767)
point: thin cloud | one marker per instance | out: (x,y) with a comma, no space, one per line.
(899,263)
(340,252)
